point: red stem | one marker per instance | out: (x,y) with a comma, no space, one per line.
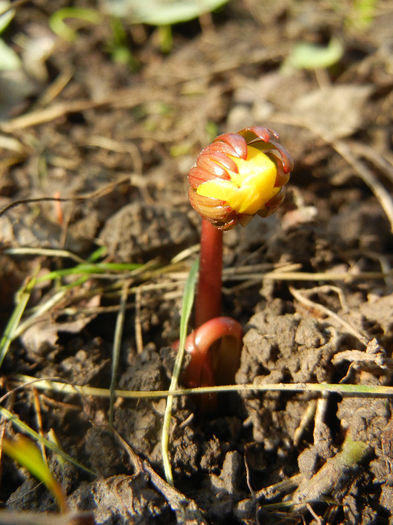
(209,367)
(215,344)
(208,299)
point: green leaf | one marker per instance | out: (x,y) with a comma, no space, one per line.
(160,12)
(9,60)
(311,56)
(8,15)
(58,25)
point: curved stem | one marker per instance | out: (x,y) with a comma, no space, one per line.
(208,299)
(207,366)
(215,344)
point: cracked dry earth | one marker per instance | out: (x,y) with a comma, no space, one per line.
(312,285)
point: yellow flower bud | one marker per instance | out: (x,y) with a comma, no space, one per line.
(250,188)
(238,176)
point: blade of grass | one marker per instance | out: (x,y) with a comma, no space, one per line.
(48,305)
(44,251)
(89,268)
(99,253)
(332,388)
(25,452)
(22,298)
(188,299)
(9,416)
(85,270)
(116,347)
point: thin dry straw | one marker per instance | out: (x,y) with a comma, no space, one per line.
(348,389)
(116,347)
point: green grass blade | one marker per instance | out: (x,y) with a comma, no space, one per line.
(41,310)
(188,300)
(26,453)
(9,416)
(23,297)
(89,269)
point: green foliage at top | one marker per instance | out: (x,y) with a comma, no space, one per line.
(160,12)
(6,15)
(9,60)
(362,14)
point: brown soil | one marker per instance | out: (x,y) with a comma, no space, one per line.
(115,142)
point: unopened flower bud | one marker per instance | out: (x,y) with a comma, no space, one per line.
(239,175)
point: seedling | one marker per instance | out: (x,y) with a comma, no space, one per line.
(237,176)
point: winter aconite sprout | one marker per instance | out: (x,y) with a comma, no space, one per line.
(236,177)
(239,175)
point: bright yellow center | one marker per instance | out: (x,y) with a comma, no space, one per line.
(249,190)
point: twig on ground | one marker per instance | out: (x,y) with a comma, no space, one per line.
(100,192)
(305,421)
(331,474)
(279,489)
(329,313)
(321,435)
(348,153)
(186,509)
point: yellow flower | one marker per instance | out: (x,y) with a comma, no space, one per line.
(250,188)
(239,175)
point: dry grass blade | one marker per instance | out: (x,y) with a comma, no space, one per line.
(38,312)
(49,252)
(100,192)
(380,192)
(348,153)
(377,158)
(116,346)
(53,385)
(35,518)
(125,98)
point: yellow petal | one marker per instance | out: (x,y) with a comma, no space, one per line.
(250,189)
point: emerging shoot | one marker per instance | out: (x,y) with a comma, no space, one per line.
(236,177)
